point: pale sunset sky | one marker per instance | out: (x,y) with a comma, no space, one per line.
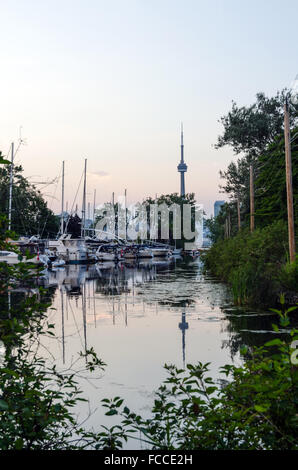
(112,80)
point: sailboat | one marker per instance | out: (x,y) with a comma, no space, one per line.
(73,250)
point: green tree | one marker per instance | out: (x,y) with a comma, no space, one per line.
(249,131)
(217,226)
(270,185)
(30,214)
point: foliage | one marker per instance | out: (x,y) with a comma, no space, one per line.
(73,226)
(30,214)
(252,132)
(36,401)
(252,264)
(217,226)
(289,275)
(253,408)
(249,130)
(257,133)
(270,186)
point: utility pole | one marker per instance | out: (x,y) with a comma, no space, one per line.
(62,202)
(252,198)
(226,228)
(289,183)
(238,212)
(229,225)
(10,187)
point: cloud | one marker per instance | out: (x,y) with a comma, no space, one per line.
(99,174)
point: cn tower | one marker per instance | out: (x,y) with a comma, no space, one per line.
(182,167)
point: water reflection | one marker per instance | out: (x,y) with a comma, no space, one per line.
(123,292)
(183,325)
(138,317)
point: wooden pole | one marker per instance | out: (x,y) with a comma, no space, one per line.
(229,225)
(289,184)
(238,212)
(226,228)
(252,199)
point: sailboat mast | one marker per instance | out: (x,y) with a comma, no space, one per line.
(94,208)
(10,187)
(84,202)
(62,202)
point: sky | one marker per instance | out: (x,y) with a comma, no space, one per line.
(111,81)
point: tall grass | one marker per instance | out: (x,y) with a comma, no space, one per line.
(255,265)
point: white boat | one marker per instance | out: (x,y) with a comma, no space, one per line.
(10,257)
(73,250)
(130,254)
(145,253)
(160,252)
(105,253)
(51,254)
(58,263)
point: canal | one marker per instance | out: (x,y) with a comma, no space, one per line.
(137,318)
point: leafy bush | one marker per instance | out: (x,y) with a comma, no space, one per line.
(255,407)
(254,264)
(289,275)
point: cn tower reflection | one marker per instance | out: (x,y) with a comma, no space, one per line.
(183,325)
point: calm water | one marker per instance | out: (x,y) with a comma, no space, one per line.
(137,318)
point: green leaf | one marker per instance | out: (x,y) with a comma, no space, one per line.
(274,342)
(3,405)
(262,408)
(111,412)
(4,162)
(19,444)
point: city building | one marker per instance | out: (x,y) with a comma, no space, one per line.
(217,207)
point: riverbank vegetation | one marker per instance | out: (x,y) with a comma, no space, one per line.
(253,406)
(256,264)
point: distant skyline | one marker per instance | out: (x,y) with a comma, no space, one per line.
(112,82)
